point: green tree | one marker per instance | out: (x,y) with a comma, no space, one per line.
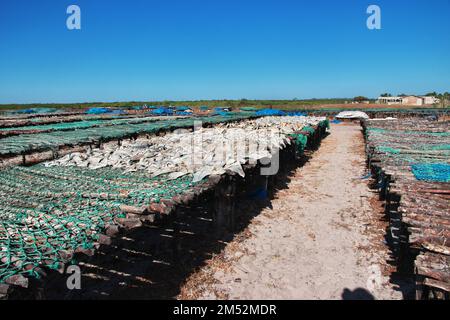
(360,99)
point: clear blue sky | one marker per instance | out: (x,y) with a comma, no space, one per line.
(166,49)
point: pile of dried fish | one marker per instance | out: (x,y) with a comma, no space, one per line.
(200,153)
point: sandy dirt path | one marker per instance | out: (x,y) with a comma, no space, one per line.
(320,240)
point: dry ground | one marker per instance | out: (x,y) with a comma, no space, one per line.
(321,239)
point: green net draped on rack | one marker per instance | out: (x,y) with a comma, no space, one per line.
(411,142)
(81,124)
(40,220)
(52,140)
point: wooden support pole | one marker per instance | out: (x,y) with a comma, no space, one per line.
(176,245)
(224,205)
(419,287)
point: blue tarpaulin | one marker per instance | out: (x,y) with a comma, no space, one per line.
(182,108)
(26,111)
(117,111)
(258,194)
(34,110)
(162,111)
(98,110)
(270,112)
(296,114)
(221,111)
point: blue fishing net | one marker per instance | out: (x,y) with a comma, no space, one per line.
(437,172)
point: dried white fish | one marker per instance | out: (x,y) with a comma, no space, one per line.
(201,153)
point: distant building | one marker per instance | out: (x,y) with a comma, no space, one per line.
(408,100)
(389,100)
(430,100)
(359,102)
(412,101)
